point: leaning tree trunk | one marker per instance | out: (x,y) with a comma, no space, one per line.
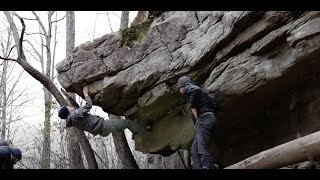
(22,61)
(123,149)
(73,143)
(292,152)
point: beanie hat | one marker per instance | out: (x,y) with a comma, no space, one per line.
(63,112)
(16,152)
(183,81)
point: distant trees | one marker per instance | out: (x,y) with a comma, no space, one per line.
(10,106)
(42,78)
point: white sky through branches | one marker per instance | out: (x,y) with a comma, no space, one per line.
(89,25)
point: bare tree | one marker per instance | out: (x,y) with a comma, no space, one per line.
(9,93)
(123,149)
(3,88)
(75,158)
(22,61)
(47,33)
(3,97)
(72,149)
(47,64)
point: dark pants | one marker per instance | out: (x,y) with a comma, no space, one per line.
(200,151)
(118,125)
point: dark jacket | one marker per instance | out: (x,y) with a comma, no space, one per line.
(81,119)
(5,157)
(5,143)
(199,99)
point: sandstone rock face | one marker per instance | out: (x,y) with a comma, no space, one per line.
(262,68)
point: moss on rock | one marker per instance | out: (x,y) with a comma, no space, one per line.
(134,34)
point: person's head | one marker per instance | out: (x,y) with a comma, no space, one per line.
(15,155)
(182,83)
(65,111)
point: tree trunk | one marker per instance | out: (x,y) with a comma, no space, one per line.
(63,162)
(4,100)
(46,148)
(71,33)
(188,158)
(182,159)
(124,20)
(104,153)
(73,145)
(292,152)
(87,149)
(45,156)
(73,149)
(123,149)
(141,17)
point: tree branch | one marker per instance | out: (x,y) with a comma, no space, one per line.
(58,19)
(113,14)
(35,50)
(110,22)
(15,14)
(54,49)
(31,53)
(34,72)
(21,39)
(13,27)
(41,24)
(8,43)
(50,13)
(35,33)
(42,61)
(14,85)
(10,59)
(11,50)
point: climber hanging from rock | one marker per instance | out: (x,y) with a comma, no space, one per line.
(203,108)
(80,118)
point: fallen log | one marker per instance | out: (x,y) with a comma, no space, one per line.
(292,152)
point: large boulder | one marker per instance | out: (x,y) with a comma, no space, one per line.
(262,68)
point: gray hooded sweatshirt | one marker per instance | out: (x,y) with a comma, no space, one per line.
(83,120)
